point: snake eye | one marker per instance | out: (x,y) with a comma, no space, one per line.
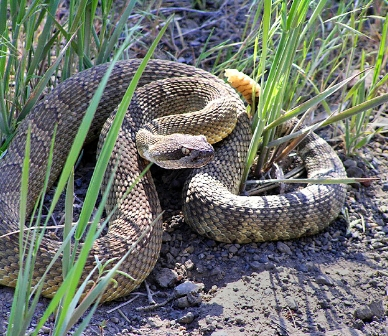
(185,151)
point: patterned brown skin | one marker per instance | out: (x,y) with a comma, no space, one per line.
(211,206)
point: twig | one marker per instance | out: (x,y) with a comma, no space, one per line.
(154,306)
(151,300)
(123,304)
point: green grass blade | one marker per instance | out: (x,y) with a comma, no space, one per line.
(70,284)
(106,151)
(370,104)
(103,57)
(309,104)
(35,95)
(22,289)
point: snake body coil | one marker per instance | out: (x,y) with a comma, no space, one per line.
(211,205)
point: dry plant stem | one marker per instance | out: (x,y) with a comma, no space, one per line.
(157,305)
(151,300)
(125,303)
(124,316)
(296,172)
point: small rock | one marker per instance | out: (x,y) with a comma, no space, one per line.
(45,330)
(208,328)
(358,324)
(347,303)
(283,248)
(324,304)
(210,243)
(268,291)
(261,259)
(189,264)
(154,322)
(354,172)
(210,320)
(187,318)
(115,320)
(239,320)
(166,277)
(363,313)
(189,249)
(217,272)
(166,237)
(323,279)
(349,163)
(385,187)
(291,303)
(220,333)
(187,287)
(273,258)
(182,302)
(269,266)
(194,299)
(174,251)
(377,308)
(233,249)
(256,265)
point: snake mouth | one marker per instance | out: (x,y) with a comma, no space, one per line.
(185,157)
(201,158)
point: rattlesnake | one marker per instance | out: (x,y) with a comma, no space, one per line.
(211,205)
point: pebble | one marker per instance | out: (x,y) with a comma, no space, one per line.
(239,319)
(323,279)
(283,248)
(354,172)
(233,249)
(377,308)
(194,299)
(325,304)
(166,277)
(166,237)
(187,318)
(189,264)
(220,333)
(154,322)
(269,266)
(189,249)
(182,302)
(217,273)
(187,287)
(363,313)
(347,303)
(268,291)
(261,259)
(115,320)
(45,330)
(349,163)
(291,303)
(256,265)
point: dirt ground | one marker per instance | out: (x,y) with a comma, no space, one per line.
(334,283)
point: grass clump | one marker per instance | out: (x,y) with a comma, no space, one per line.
(301,53)
(33,32)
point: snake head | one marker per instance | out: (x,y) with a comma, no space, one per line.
(177,151)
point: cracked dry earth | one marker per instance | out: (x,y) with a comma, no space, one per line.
(334,283)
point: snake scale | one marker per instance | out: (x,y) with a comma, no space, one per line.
(211,204)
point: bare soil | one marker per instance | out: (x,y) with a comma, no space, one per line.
(334,283)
